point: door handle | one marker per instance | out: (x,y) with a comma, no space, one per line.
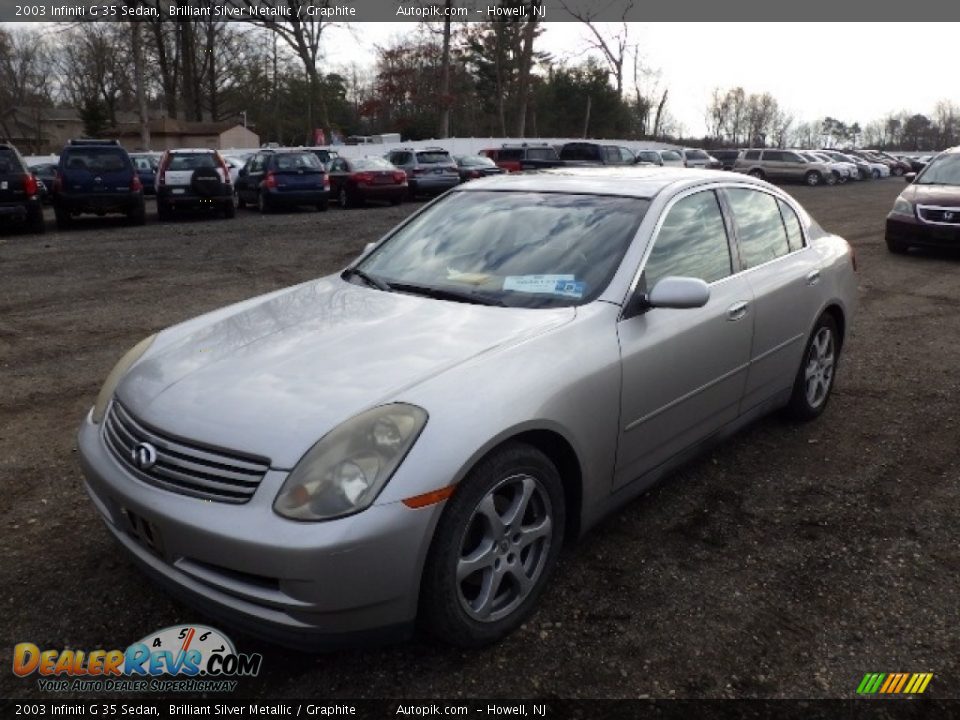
(813,277)
(737,311)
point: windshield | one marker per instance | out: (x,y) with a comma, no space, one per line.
(944,170)
(522,249)
(97,159)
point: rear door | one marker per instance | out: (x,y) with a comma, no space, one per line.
(784,273)
(298,172)
(12,176)
(99,170)
(684,371)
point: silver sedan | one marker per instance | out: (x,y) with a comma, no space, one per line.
(412,440)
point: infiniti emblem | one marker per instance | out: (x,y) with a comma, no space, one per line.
(144,455)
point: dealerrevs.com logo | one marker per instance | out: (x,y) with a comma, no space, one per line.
(180,658)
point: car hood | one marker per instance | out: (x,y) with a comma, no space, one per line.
(943,195)
(276,375)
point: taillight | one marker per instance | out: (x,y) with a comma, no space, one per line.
(363,178)
(399,177)
(30,185)
(270,180)
(135,184)
(226,170)
(326,181)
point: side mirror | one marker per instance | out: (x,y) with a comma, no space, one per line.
(679,293)
(910,177)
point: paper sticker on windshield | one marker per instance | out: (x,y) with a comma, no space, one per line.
(535,283)
(569,288)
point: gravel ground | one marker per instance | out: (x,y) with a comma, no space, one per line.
(787,563)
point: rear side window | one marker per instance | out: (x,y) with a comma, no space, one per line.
(792,223)
(94,159)
(431,158)
(692,242)
(762,234)
(751,155)
(542,154)
(577,151)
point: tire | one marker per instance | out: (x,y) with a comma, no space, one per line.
(241,203)
(396,200)
(263,205)
(841,179)
(757,173)
(897,247)
(875,173)
(64,221)
(814,381)
(323,206)
(897,171)
(36,224)
(343,198)
(515,557)
(164,211)
(138,216)
(229,209)
(813,178)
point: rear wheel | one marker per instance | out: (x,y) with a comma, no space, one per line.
(813,178)
(263,204)
(241,203)
(898,171)
(494,548)
(343,198)
(876,174)
(814,381)
(35,223)
(64,221)
(138,215)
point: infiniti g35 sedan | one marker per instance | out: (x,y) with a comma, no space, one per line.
(410,442)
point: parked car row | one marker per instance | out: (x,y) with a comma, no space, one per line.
(814,167)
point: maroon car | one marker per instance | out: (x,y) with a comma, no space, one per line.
(927,213)
(354,181)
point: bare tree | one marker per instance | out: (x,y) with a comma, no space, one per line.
(526,61)
(139,83)
(614,47)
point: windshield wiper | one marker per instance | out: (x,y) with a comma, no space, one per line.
(445,294)
(371,280)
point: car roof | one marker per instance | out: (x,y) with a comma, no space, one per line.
(633,181)
(193,151)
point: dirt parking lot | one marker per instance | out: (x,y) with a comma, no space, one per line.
(787,563)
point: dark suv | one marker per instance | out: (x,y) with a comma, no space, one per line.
(19,191)
(596,153)
(97,177)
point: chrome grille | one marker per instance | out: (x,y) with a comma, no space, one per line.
(939,215)
(180,466)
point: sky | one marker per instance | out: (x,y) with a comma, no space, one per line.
(856,72)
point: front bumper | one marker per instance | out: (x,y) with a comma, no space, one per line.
(301,584)
(907,231)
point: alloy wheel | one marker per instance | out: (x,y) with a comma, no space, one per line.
(818,375)
(504,548)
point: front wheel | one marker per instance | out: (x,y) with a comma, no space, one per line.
(897,247)
(494,548)
(263,205)
(814,381)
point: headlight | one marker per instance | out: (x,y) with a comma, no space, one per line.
(345,471)
(902,207)
(116,375)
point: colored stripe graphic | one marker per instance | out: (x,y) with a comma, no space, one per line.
(894,683)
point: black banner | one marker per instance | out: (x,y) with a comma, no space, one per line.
(529,709)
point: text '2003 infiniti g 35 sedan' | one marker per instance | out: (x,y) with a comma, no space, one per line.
(411,441)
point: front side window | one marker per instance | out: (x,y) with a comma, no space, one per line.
(522,249)
(774,155)
(692,242)
(761,231)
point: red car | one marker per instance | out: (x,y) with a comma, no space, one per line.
(354,181)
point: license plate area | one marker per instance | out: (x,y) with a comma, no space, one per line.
(144,532)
